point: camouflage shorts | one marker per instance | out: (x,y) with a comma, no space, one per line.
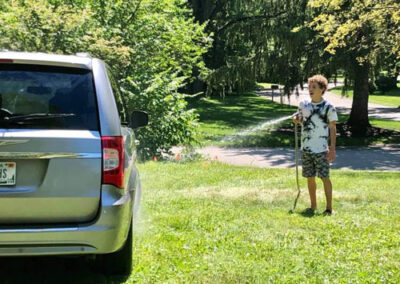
(315,164)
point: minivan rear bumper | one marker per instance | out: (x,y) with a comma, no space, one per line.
(106,234)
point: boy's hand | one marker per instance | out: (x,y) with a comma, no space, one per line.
(297,119)
(331,155)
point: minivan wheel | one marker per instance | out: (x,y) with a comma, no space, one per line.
(119,262)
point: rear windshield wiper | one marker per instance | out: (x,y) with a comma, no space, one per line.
(36,116)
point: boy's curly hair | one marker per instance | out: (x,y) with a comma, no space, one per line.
(320,80)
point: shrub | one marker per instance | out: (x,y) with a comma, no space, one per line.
(385,83)
(372,88)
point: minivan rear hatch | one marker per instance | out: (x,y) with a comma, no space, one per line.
(50,145)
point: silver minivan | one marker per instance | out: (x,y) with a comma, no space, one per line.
(68,181)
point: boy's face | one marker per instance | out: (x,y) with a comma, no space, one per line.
(315,92)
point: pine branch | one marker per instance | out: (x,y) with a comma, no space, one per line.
(249,18)
(217,6)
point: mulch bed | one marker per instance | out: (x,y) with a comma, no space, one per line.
(344,130)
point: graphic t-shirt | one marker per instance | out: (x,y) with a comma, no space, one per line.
(315,129)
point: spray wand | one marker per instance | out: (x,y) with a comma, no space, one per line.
(297,115)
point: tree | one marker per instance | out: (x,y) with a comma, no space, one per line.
(152,47)
(253,42)
(361,34)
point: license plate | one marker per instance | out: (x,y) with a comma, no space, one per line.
(8,172)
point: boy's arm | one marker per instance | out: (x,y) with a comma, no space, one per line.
(332,148)
(296,117)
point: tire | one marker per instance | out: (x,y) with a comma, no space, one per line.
(119,262)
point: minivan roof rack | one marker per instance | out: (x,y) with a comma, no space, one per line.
(83,54)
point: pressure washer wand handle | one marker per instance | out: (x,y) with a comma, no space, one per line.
(296,142)
(297,117)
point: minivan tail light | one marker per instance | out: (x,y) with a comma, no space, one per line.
(113,160)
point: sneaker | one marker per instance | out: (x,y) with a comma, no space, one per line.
(308,212)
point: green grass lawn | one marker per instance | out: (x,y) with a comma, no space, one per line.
(391,98)
(267,85)
(206,222)
(221,117)
(387,124)
(381,123)
(338,79)
(223,121)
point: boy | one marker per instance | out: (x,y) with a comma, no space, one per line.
(318,118)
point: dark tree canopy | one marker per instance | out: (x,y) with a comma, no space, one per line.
(285,42)
(253,41)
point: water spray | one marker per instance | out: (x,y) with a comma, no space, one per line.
(255,128)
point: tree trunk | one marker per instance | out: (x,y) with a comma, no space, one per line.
(202,10)
(358,120)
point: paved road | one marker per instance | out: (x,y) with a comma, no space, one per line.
(343,104)
(382,158)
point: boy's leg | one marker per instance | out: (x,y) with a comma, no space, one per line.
(323,167)
(309,172)
(312,190)
(328,192)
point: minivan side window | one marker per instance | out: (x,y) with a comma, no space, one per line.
(118,97)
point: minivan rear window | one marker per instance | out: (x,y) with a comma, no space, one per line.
(47,97)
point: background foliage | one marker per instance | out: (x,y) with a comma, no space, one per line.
(152,47)
(362,37)
(253,42)
(285,42)
(161,49)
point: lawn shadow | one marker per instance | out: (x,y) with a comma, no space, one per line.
(308,213)
(53,270)
(386,113)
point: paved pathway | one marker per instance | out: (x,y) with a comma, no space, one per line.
(343,104)
(382,158)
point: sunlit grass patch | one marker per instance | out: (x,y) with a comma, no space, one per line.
(387,124)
